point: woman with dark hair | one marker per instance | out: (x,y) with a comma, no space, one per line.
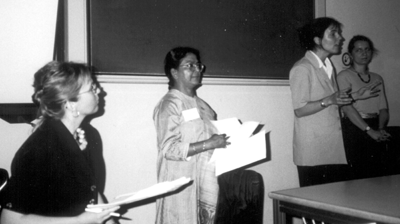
(52,174)
(317,142)
(186,140)
(365,121)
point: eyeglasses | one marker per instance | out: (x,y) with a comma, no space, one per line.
(194,66)
(93,89)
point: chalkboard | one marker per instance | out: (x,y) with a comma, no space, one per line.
(236,38)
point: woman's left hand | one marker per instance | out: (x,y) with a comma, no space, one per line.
(340,97)
(218,141)
(384,135)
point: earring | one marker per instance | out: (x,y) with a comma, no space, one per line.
(76,114)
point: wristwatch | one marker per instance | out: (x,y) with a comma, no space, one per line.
(323,104)
(367,129)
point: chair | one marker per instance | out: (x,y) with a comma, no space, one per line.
(3,182)
(241,198)
(3,178)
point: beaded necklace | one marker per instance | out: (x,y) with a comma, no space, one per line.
(367,81)
(359,76)
(81,139)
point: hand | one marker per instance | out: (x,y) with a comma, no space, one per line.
(96,218)
(341,97)
(374,134)
(384,135)
(218,141)
(379,136)
(367,91)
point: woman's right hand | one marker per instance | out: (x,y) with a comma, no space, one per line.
(374,134)
(218,141)
(367,91)
(96,218)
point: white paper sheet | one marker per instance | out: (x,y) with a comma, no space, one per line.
(157,189)
(244,149)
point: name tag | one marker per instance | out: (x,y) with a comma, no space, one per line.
(191,114)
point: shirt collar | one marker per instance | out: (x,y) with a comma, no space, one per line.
(327,67)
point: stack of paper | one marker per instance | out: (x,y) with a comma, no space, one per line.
(245,148)
(157,189)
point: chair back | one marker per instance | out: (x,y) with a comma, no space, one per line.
(3,178)
(241,197)
(3,182)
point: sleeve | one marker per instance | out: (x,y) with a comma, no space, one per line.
(28,184)
(167,118)
(343,81)
(300,85)
(382,96)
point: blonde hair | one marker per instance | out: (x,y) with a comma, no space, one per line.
(55,84)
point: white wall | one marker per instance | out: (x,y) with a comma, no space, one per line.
(127,128)
(26,43)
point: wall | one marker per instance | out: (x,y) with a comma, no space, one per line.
(26,43)
(127,128)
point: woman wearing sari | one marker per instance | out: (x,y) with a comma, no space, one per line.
(186,139)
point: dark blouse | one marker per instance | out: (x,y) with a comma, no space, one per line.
(51,175)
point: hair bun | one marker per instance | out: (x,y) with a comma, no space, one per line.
(37,96)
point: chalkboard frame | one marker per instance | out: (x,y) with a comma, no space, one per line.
(157,72)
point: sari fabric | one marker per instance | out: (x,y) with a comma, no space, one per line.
(196,202)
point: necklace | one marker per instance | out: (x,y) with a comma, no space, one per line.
(80,137)
(364,81)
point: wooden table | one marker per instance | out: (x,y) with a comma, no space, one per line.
(357,201)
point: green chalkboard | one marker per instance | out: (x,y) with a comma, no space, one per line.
(236,38)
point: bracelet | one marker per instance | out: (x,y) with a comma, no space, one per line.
(204,146)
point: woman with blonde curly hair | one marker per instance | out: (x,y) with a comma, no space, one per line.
(52,174)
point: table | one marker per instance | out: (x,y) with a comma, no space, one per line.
(357,201)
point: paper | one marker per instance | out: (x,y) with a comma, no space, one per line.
(157,189)
(98,210)
(244,149)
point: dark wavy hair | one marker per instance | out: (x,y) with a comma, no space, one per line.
(174,58)
(55,84)
(315,29)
